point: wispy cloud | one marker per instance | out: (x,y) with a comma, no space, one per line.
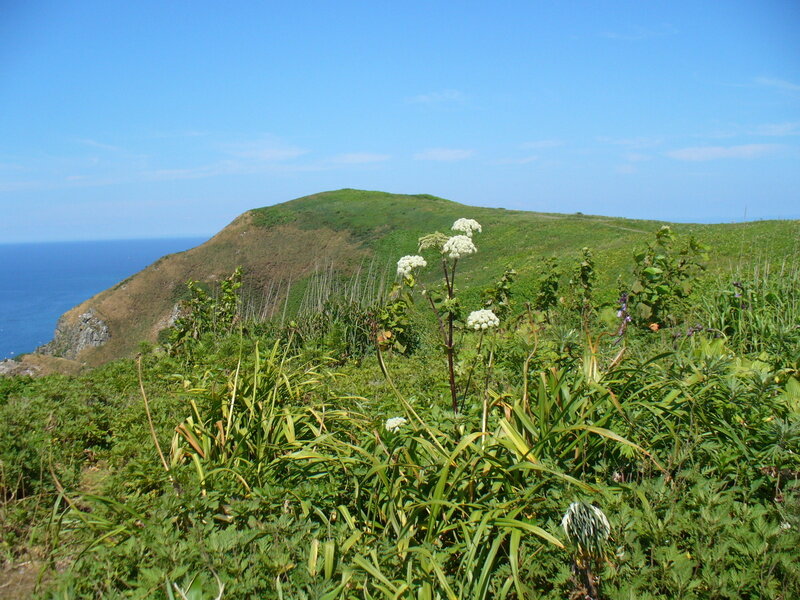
(778,129)
(264,150)
(116,166)
(444,154)
(537,145)
(19,186)
(703,153)
(227,167)
(781,84)
(635,142)
(439,97)
(99,145)
(158,135)
(267,161)
(638,34)
(525,160)
(636,157)
(359,158)
(626,169)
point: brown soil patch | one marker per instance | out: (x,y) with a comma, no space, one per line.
(39,365)
(18,581)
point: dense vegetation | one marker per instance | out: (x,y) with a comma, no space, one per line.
(380,442)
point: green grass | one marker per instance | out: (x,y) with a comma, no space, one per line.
(390,224)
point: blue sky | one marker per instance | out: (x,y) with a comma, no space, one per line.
(164,119)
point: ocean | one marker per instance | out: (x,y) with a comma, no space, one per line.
(40,282)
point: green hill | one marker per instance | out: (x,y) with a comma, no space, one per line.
(280,247)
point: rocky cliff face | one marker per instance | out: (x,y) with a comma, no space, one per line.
(73,336)
(18,368)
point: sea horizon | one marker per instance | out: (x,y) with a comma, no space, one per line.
(40,281)
(115,239)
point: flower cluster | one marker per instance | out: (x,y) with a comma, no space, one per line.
(482,319)
(408,263)
(587,527)
(467,226)
(395,423)
(458,246)
(433,240)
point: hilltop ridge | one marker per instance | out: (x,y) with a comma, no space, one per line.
(281,246)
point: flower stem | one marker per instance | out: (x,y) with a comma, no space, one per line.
(485,416)
(472,370)
(449,346)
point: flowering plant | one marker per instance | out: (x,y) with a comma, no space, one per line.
(458,246)
(408,263)
(482,319)
(467,226)
(394,424)
(587,528)
(445,304)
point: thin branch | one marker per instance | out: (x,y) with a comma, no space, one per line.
(150,417)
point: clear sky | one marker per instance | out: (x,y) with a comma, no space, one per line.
(163,119)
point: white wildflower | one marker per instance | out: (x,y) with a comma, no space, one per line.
(786,525)
(482,319)
(395,423)
(467,226)
(458,246)
(587,527)
(408,263)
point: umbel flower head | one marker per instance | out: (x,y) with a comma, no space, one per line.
(408,263)
(467,226)
(459,246)
(433,240)
(482,319)
(587,527)
(395,423)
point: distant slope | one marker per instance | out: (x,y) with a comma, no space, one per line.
(344,228)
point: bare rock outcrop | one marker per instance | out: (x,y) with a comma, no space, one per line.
(87,330)
(15,368)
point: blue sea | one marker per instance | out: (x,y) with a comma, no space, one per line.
(40,282)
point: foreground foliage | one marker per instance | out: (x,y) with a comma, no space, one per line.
(299,463)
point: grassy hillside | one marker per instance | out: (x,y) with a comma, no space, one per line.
(281,246)
(560,450)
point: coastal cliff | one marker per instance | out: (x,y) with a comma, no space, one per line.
(113,323)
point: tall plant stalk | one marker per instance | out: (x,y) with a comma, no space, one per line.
(448,342)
